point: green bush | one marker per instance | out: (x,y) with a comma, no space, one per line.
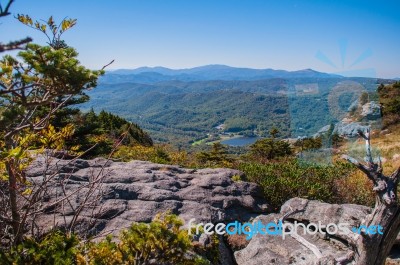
(216,157)
(160,242)
(288,178)
(389,98)
(270,148)
(309,143)
(55,248)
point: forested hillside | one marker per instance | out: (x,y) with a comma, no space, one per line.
(181,112)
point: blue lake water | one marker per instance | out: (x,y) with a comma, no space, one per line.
(241,141)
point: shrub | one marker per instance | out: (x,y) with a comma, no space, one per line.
(356,189)
(288,178)
(309,143)
(216,157)
(236,178)
(389,98)
(270,148)
(161,154)
(160,242)
(55,248)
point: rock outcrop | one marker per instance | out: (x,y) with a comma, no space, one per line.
(273,249)
(349,129)
(371,111)
(126,192)
(368,115)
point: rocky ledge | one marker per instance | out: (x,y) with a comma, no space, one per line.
(305,249)
(126,192)
(100,196)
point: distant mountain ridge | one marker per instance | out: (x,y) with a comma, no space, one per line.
(150,75)
(182,106)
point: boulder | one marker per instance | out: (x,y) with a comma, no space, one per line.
(371,111)
(135,191)
(274,249)
(349,129)
(353,106)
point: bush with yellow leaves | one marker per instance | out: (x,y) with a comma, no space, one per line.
(160,242)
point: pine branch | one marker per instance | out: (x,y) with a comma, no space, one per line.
(15,45)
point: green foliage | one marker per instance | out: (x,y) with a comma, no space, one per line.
(236,178)
(309,143)
(54,248)
(274,132)
(52,31)
(42,74)
(364,98)
(161,154)
(270,148)
(210,251)
(99,133)
(389,97)
(33,86)
(162,241)
(217,157)
(288,178)
(180,119)
(105,252)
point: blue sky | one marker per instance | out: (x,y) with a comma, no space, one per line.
(328,36)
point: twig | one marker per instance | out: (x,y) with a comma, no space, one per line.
(307,244)
(15,45)
(107,65)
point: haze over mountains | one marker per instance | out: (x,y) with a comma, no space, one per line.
(203,73)
(186,105)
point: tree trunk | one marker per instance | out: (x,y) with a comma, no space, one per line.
(12,193)
(372,249)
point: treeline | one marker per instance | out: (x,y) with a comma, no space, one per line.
(389,97)
(180,112)
(97,134)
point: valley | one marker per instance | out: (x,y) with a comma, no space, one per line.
(186,107)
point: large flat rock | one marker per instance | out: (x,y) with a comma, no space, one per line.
(126,192)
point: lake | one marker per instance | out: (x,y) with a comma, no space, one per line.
(240,141)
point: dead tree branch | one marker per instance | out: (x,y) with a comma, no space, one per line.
(374,248)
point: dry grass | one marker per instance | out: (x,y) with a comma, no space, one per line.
(387,146)
(356,188)
(237,242)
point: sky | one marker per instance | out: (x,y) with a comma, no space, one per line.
(357,38)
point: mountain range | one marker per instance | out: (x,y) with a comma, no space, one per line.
(186,105)
(205,73)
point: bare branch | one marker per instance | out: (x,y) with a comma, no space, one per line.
(15,45)
(107,65)
(359,165)
(285,216)
(5,12)
(395,176)
(346,259)
(307,244)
